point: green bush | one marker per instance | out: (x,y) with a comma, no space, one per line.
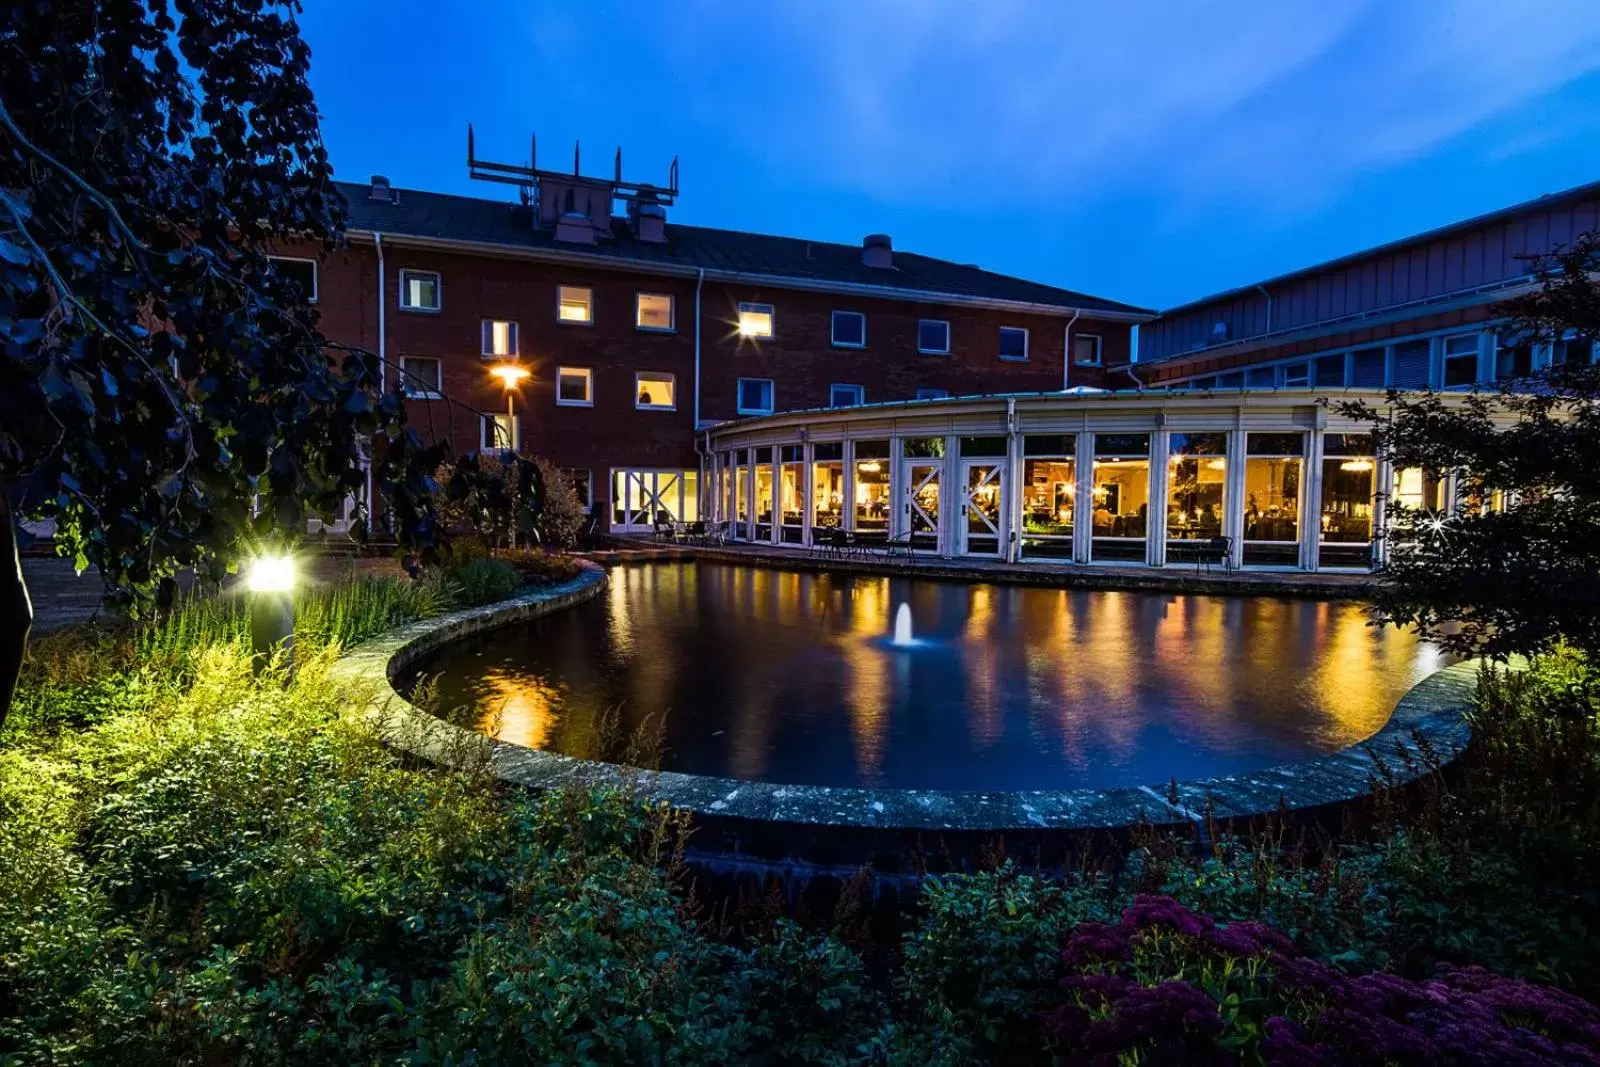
(539,567)
(481,581)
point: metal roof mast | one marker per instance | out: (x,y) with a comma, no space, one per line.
(527,177)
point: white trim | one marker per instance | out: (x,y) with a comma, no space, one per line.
(861,394)
(774,281)
(1025,343)
(588,304)
(1099,359)
(753,308)
(316,273)
(833,329)
(406,274)
(588,387)
(945,351)
(486,332)
(738,397)
(638,310)
(639,377)
(426,394)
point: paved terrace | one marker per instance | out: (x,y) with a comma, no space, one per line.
(1173,579)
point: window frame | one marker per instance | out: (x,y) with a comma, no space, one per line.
(316,273)
(405,379)
(754,308)
(404,290)
(492,418)
(486,332)
(833,329)
(588,377)
(638,311)
(588,303)
(1446,357)
(945,351)
(860,394)
(657,375)
(738,397)
(1099,350)
(1026,341)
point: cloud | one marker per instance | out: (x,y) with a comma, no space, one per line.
(1003,103)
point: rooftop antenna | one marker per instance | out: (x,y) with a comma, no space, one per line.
(576,170)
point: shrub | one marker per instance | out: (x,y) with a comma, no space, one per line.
(562,515)
(481,581)
(538,567)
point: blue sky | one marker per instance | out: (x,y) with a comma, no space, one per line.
(1151,151)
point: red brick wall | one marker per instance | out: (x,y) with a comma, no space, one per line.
(800,358)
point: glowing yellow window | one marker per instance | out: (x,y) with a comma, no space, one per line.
(574,304)
(755,320)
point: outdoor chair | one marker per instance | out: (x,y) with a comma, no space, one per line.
(898,546)
(1202,553)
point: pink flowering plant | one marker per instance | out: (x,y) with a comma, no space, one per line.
(1165,985)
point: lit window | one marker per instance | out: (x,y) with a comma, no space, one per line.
(846,396)
(1297,375)
(654,312)
(933,336)
(499,338)
(497,431)
(575,303)
(302,272)
(574,387)
(755,320)
(1086,349)
(1013,342)
(932,394)
(755,396)
(419,290)
(655,390)
(1461,359)
(421,377)
(849,329)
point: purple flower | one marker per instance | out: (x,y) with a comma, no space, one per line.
(1164,912)
(1159,1019)
(1095,943)
(1288,1045)
(1251,939)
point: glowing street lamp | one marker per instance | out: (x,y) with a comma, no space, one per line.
(511,375)
(271,581)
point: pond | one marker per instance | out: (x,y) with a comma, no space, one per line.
(790,677)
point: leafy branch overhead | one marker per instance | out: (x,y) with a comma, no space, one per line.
(1514,567)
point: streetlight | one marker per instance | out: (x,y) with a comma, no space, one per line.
(271,582)
(511,375)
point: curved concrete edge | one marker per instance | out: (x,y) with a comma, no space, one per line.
(1428,728)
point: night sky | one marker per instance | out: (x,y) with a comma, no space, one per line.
(1151,151)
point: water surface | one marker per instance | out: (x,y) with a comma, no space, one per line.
(782,676)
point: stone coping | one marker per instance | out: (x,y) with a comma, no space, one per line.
(1428,727)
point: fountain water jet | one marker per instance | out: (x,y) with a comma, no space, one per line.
(902,627)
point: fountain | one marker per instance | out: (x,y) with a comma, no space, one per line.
(902,628)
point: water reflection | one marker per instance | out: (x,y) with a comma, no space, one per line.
(784,677)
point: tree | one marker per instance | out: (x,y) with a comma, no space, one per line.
(1514,567)
(165,398)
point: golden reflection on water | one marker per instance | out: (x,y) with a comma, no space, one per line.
(517,709)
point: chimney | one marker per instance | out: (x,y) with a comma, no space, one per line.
(573,225)
(648,220)
(877,250)
(380,188)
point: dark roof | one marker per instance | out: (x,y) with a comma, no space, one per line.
(443,216)
(1548,200)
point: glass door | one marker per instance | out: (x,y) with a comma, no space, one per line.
(982,506)
(921,483)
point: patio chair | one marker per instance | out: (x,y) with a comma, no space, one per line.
(897,546)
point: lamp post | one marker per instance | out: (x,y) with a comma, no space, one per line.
(271,583)
(511,375)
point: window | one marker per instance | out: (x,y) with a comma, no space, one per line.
(846,396)
(755,320)
(1119,496)
(574,387)
(654,311)
(933,337)
(755,396)
(1273,465)
(1513,361)
(1576,351)
(1197,472)
(1013,342)
(932,394)
(849,329)
(421,377)
(1049,495)
(655,390)
(497,431)
(1349,471)
(499,338)
(827,484)
(575,304)
(1461,359)
(302,272)
(1330,372)
(1086,350)
(1297,375)
(582,481)
(419,290)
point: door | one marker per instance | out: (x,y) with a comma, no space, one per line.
(921,511)
(982,507)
